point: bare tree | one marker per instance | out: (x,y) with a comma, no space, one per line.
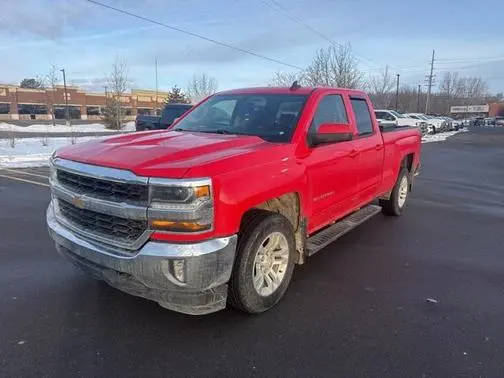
(335,67)
(51,80)
(285,79)
(477,89)
(118,84)
(201,86)
(380,88)
(450,84)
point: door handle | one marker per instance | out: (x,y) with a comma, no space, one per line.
(379,147)
(353,153)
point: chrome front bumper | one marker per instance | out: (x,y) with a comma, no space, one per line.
(189,278)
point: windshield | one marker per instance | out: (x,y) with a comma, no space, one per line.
(397,114)
(272,117)
(420,116)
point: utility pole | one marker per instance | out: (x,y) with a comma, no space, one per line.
(430,78)
(156,108)
(67,114)
(418,98)
(397,94)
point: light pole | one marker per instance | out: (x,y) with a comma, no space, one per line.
(67,114)
(418,98)
(397,94)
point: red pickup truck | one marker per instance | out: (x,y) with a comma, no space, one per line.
(219,208)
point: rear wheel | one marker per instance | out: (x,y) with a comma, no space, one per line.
(264,262)
(397,201)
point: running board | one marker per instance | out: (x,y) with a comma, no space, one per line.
(329,234)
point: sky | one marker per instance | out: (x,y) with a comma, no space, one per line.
(85,39)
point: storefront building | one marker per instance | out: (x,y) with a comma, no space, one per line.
(23,104)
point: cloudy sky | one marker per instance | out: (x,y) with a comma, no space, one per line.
(85,39)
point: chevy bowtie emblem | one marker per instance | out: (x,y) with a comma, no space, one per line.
(78,201)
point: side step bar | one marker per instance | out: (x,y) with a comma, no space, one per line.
(329,234)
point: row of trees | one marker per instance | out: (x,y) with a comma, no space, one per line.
(337,66)
(334,66)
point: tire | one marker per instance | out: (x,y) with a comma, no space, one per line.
(399,197)
(258,228)
(433,130)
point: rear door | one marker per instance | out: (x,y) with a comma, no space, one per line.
(369,143)
(331,167)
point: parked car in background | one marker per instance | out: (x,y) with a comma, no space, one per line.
(451,124)
(434,124)
(219,208)
(478,121)
(439,122)
(388,117)
(489,121)
(168,115)
(499,121)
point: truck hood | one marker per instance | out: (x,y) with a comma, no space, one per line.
(168,154)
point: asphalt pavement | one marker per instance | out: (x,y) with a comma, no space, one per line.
(417,296)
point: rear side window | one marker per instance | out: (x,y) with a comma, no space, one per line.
(362,116)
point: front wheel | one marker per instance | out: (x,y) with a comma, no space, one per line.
(264,262)
(397,201)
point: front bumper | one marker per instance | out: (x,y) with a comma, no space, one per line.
(189,278)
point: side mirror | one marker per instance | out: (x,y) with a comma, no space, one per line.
(331,133)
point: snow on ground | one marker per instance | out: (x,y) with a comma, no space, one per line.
(31,152)
(440,137)
(58,128)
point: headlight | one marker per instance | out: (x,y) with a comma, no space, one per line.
(180,205)
(166,196)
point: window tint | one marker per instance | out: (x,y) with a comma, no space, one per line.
(362,116)
(330,110)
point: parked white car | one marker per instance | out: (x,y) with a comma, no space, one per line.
(386,117)
(435,124)
(451,124)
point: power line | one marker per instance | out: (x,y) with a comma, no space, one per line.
(280,8)
(196,35)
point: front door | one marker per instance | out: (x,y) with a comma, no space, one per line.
(331,168)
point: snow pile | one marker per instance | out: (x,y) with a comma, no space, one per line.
(441,136)
(87,128)
(31,152)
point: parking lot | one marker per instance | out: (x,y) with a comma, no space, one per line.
(421,295)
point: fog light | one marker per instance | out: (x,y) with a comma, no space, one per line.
(178,268)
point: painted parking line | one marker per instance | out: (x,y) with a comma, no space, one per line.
(24,172)
(24,180)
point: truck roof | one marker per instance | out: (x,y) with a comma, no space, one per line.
(287,90)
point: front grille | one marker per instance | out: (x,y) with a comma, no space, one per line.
(102,225)
(104,189)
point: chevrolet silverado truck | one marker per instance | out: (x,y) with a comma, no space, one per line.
(169,114)
(220,208)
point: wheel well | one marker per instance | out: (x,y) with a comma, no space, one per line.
(407,162)
(289,206)
(286,205)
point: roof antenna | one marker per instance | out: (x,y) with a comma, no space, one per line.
(295,86)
